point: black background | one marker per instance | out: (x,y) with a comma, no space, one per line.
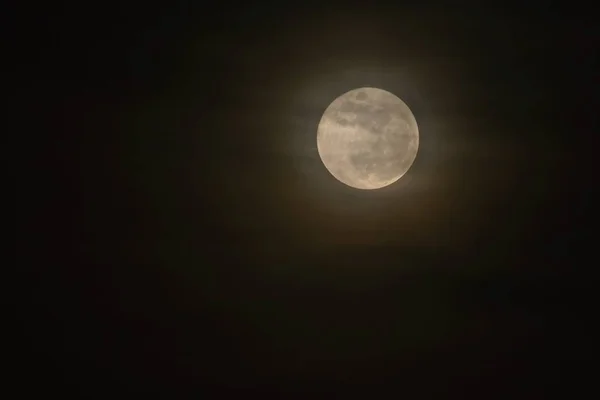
(182,234)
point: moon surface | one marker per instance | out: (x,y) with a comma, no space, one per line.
(368,138)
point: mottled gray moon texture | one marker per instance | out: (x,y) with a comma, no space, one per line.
(368,138)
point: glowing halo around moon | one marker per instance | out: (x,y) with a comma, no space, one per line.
(368,138)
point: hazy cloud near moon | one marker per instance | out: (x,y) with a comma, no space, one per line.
(368,138)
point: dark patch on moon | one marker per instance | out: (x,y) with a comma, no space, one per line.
(375,160)
(363,162)
(361,96)
(372,118)
(342,121)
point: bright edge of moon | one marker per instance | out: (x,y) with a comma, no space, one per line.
(368,138)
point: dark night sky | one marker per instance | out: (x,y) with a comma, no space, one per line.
(189,238)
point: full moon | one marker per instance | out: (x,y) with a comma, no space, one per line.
(368,138)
